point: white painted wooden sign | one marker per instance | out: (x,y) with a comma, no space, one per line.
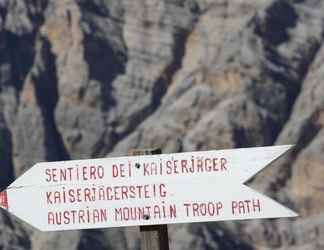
(144,190)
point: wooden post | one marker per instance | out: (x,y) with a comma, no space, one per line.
(153,237)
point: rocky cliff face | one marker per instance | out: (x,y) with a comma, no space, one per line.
(83,79)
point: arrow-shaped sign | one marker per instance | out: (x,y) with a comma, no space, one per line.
(144,190)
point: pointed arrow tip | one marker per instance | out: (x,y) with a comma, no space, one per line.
(4,200)
(293,214)
(287,212)
(261,157)
(289,146)
(285,148)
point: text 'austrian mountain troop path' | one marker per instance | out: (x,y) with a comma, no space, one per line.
(144,190)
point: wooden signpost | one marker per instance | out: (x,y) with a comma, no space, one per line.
(152,237)
(144,190)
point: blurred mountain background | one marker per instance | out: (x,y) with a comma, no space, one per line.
(95,78)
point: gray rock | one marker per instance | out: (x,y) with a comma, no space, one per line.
(82,79)
(13,236)
(5,155)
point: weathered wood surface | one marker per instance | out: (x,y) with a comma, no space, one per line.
(152,237)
